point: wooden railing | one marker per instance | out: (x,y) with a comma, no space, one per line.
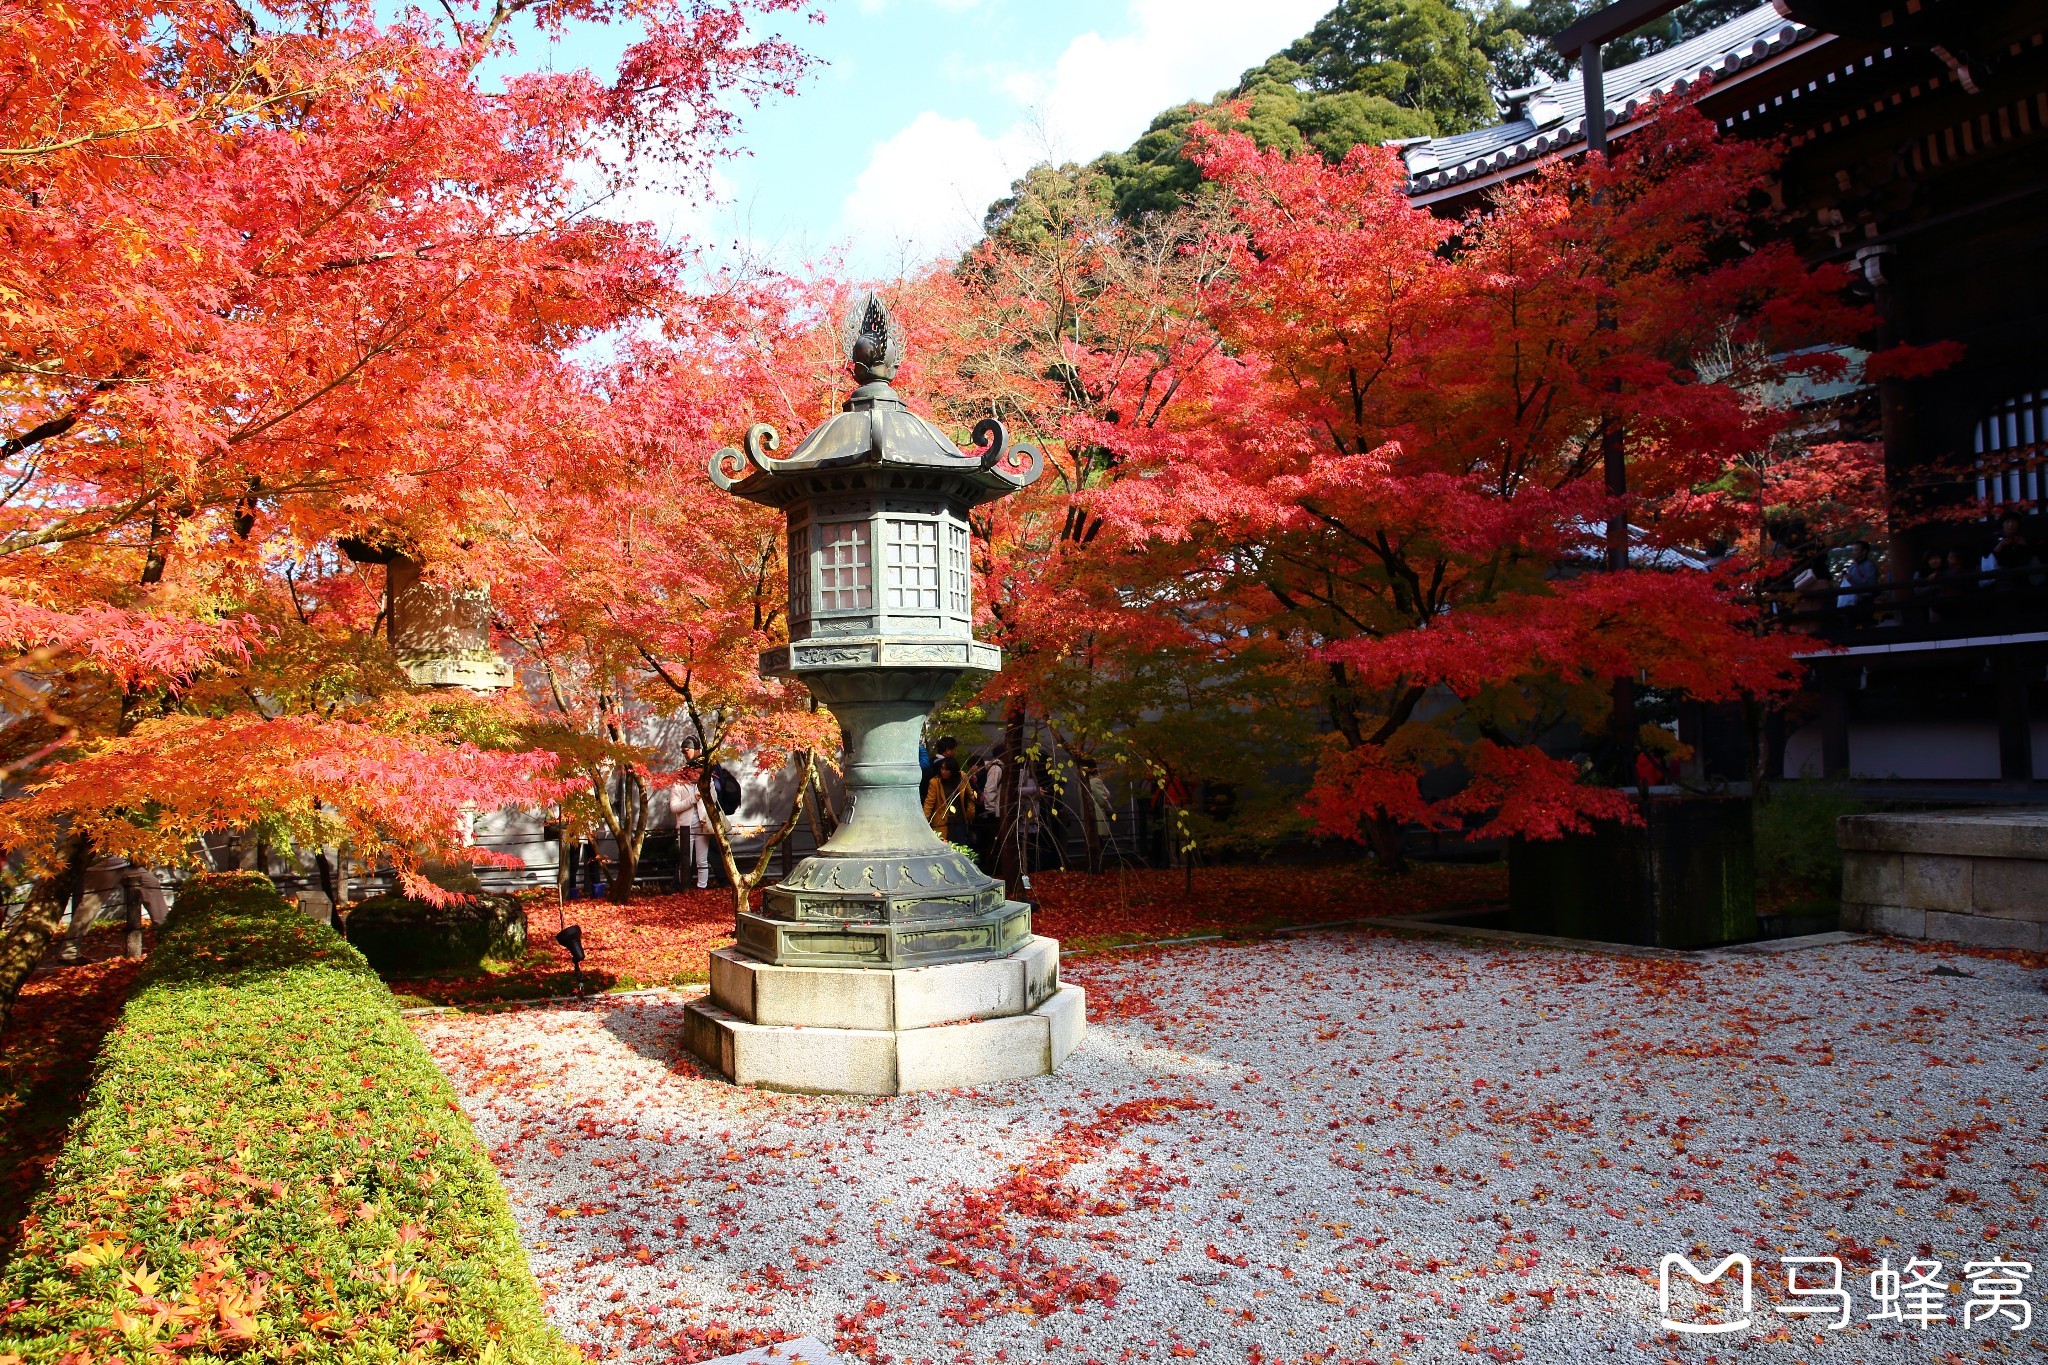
(1972,603)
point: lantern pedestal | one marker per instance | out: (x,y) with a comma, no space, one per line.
(886,962)
(884,892)
(826,1030)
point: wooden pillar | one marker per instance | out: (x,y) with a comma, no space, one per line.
(1880,267)
(1593,80)
(2015,723)
(1834,724)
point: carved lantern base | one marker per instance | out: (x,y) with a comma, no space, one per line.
(884,892)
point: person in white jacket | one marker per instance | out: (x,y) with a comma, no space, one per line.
(992,792)
(688,808)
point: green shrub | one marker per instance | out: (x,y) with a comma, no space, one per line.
(1798,863)
(401,936)
(269,1166)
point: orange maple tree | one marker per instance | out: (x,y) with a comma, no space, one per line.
(640,598)
(273,278)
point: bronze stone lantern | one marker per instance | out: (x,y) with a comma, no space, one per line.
(880,627)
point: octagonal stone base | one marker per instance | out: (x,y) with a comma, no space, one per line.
(822,1030)
(885,945)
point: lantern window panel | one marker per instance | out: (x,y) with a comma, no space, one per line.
(799,574)
(956,569)
(845,567)
(910,564)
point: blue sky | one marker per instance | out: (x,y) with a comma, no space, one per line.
(922,111)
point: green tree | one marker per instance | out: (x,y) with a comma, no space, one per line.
(1370,71)
(1418,54)
(1516,36)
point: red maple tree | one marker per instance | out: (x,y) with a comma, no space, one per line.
(1387,479)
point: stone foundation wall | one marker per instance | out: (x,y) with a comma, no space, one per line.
(1978,876)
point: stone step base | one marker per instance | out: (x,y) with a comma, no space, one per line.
(848,1061)
(912,998)
(803,1351)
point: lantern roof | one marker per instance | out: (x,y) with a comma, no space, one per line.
(876,429)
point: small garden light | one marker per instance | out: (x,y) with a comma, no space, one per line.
(571,938)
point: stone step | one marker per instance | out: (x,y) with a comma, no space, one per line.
(802,1351)
(845,1061)
(909,998)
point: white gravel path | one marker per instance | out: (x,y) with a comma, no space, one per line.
(1338,1148)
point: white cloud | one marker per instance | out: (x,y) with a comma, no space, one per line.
(926,187)
(923,191)
(1105,90)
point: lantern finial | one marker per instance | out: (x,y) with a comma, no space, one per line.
(872,339)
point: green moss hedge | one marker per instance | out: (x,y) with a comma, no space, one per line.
(269,1166)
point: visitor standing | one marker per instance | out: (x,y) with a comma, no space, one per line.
(2011,553)
(948,801)
(1098,798)
(988,824)
(947,747)
(1859,577)
(693,843)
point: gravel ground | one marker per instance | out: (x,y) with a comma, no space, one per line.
(1335,1148)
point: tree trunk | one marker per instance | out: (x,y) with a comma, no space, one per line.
(23,944)
(624,812)
(824,820)
(620,888)
(131,901)
(325,868)
(743,883)
(1383,836)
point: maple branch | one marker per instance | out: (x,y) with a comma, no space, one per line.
(14,542)
(681,689)
(291,578)
(138,129)
(250,433)
(15,486)
(1403,710)
(36,435)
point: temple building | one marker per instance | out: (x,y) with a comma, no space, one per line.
(1916,161)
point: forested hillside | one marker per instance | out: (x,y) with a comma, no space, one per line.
(1369,71)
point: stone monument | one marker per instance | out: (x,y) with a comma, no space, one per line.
(887,962)
(441,634)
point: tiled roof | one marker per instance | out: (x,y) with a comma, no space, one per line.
(1553,114)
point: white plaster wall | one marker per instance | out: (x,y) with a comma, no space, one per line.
(1929,751)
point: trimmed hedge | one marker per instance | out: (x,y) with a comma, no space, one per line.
(270,1166)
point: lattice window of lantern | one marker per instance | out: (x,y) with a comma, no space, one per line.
(2011,446)
(844,581)
(956,569)
(912,565)
(799,574)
